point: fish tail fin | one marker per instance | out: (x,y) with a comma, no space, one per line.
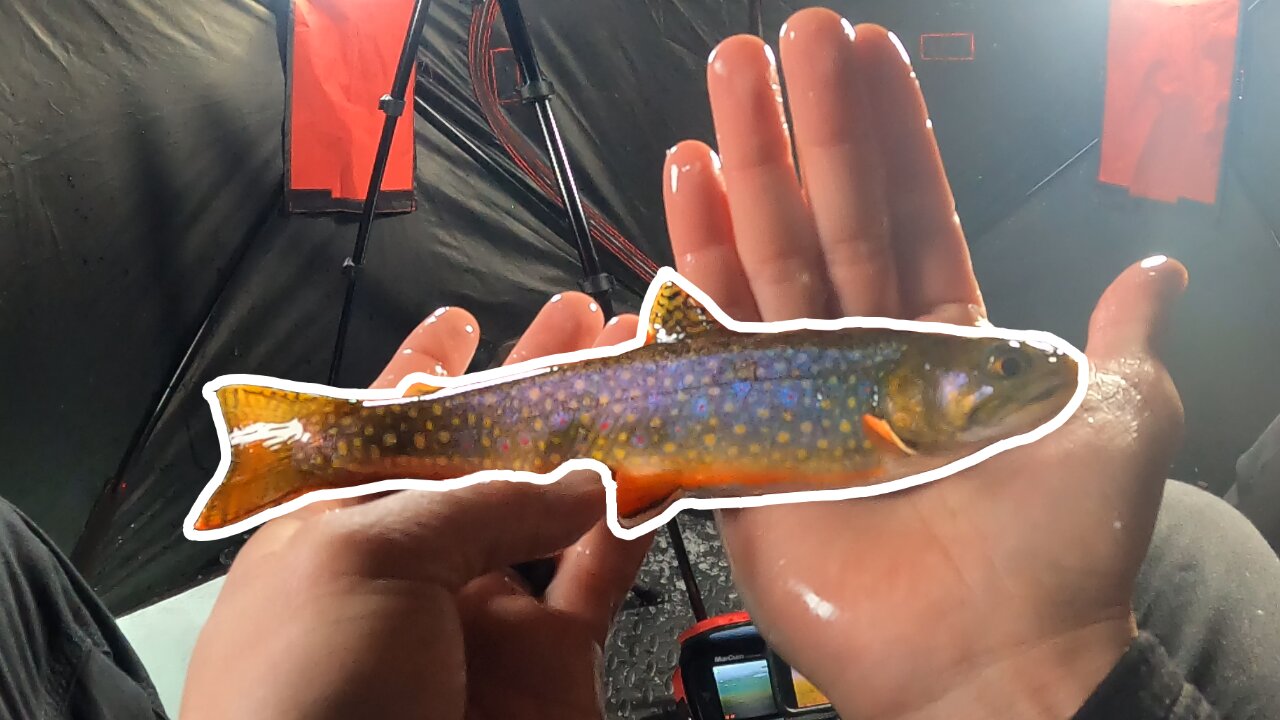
(643,496)
(265,428)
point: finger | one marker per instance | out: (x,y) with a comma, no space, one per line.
(958,314)
(443,344)
(775,235)
(701,228)
(569,321)
(618,330)
(500,582)
(840,162)
(595,576)
(933,261)
(452,537)
(1133,313)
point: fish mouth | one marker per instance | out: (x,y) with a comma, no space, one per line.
(1031,412)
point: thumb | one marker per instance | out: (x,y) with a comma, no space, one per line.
(1133,313)
(450,537)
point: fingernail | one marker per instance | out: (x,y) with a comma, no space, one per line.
(848,29)
(672,149)
(902,49)
(435,315)
(556,298)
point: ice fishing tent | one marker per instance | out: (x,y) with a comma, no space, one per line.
(142,207)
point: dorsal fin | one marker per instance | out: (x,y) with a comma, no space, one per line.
(676,315)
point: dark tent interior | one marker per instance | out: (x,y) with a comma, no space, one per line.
(148,247)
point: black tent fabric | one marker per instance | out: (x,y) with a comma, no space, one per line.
(141,208)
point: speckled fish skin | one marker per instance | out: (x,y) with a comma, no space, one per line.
(698,411)
(729,401)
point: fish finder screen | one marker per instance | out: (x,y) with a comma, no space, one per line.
(745,691)
(807,695)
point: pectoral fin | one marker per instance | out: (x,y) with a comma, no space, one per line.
(879,430)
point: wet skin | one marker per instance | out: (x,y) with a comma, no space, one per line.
(1021,568)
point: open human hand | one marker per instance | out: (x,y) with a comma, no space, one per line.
(1002,591)
(404,605)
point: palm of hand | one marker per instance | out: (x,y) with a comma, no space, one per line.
(1010,559)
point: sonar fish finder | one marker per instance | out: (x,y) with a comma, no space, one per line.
(725,671)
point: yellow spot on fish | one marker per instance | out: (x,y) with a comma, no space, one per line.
(669,447)
(375,452)
(413,413)
(343,448)
(485,441)
(537,424)
(331,418)
(560,396)
(389,439)
(730,407)
(713,422)
(763,413)
(457,421)
(631,417)
(823,444)
(655,423)
(625,375)
(853,443)
(754,448)
(713,391)
(845,426)
(784,437)
(802,454)
(380,411)
(579,385)
(548,405)
(787,416)
(419,440)
(688,379)
(486,423)
(444,436)
(534,393)
(733,451)
(471,419)
(825,404)
(622,437)
(667,381)
(806,426)
(739,429)
(709,439)
(437,410)
(368,431)
(619,453)
(852,403)
(604,399)
(866,445)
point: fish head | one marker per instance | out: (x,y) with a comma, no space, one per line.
(953,393)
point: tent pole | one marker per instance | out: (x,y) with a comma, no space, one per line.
(537,91)
(392,105)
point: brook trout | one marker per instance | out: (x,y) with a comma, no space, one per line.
(699,408)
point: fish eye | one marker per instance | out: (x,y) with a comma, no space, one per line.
(1006,362)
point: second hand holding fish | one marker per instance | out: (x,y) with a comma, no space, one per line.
(1004,591)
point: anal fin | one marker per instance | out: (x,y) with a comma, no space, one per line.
(644,495)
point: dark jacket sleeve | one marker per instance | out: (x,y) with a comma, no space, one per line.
(1145,685)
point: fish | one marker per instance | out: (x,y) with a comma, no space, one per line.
(699,410)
